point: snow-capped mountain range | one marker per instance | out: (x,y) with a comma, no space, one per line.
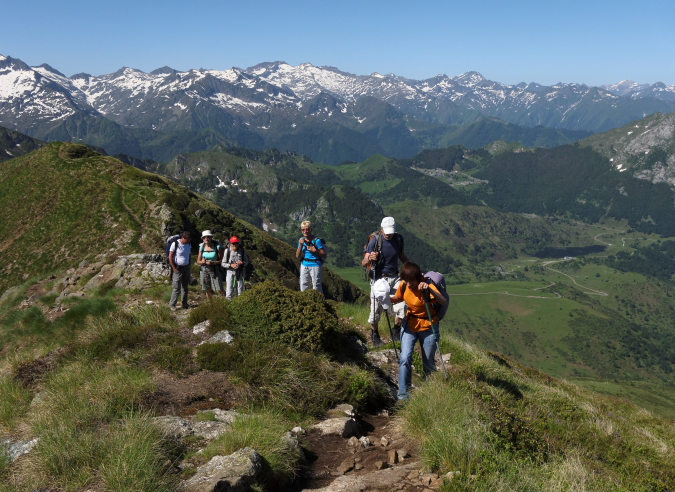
(276,97)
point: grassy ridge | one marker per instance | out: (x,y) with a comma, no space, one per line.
(65,203)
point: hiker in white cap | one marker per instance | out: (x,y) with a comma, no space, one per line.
(210,257)
(382,254)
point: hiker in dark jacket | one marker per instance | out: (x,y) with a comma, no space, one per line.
(312,252)
(235,260)
(179,258)
(385,265)
(416,325)
(209,258)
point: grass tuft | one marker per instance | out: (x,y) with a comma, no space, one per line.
(14,401)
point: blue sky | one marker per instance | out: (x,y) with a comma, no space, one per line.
(593,42)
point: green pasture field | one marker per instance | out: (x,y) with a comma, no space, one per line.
(354,275)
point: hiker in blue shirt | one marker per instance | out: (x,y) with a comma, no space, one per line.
(311,250)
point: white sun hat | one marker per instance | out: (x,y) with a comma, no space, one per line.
(388,225)
(206,233)
(381,292)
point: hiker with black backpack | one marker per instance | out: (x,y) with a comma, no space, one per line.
(179,259)
(421,322)
(381,255)
(235,261)
(209,259)
(313,253)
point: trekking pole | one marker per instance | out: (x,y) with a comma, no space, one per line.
(426,304)
(391,334)
(209,279)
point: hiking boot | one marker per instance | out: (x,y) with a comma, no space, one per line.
(375,339)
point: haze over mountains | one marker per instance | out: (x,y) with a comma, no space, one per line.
(323,112)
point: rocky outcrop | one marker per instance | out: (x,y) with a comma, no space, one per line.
(232,473)
(137,271)
(342,426)
(16,449)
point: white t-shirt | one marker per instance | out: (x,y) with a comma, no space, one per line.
(181,253)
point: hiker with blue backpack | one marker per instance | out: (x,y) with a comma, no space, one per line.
(209,259)
(426,303)
(313,253)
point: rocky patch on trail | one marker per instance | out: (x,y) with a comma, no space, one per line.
(233,473)
(377,457)
(180,428)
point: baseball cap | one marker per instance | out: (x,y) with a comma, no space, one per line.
(388,225)
(234,239)
(381,292)
(207,233)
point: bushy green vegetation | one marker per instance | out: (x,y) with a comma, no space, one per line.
(296,383)
(507,426)
(656,260)
(576,181)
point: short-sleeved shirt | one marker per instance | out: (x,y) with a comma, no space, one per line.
(210,255)
(417,317)
(181,253)
(310,259)
(388,264)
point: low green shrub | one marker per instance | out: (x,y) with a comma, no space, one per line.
(177,359)
(278,376)
(263,432)
(269,312)
(14,401)
(216,311)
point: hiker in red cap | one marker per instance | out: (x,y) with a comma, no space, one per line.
(235,260)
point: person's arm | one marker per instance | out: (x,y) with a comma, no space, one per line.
(369,255)
(173,265)
(395,300)
(200,260)
(299,250)
(433,292)
(403,257)
(245,258)
(320,251)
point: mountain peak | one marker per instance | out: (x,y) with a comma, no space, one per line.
(469,79)
(50,69)
(162,70)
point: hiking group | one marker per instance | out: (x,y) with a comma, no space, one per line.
(416,297)
(418,302)
(215,262)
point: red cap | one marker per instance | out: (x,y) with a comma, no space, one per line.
(234,239)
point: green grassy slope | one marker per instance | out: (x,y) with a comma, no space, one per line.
(65,203)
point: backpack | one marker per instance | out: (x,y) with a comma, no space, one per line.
(370,273)
(313,243)
(437,280)
(169,242)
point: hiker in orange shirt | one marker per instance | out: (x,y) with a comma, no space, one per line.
(416,325)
